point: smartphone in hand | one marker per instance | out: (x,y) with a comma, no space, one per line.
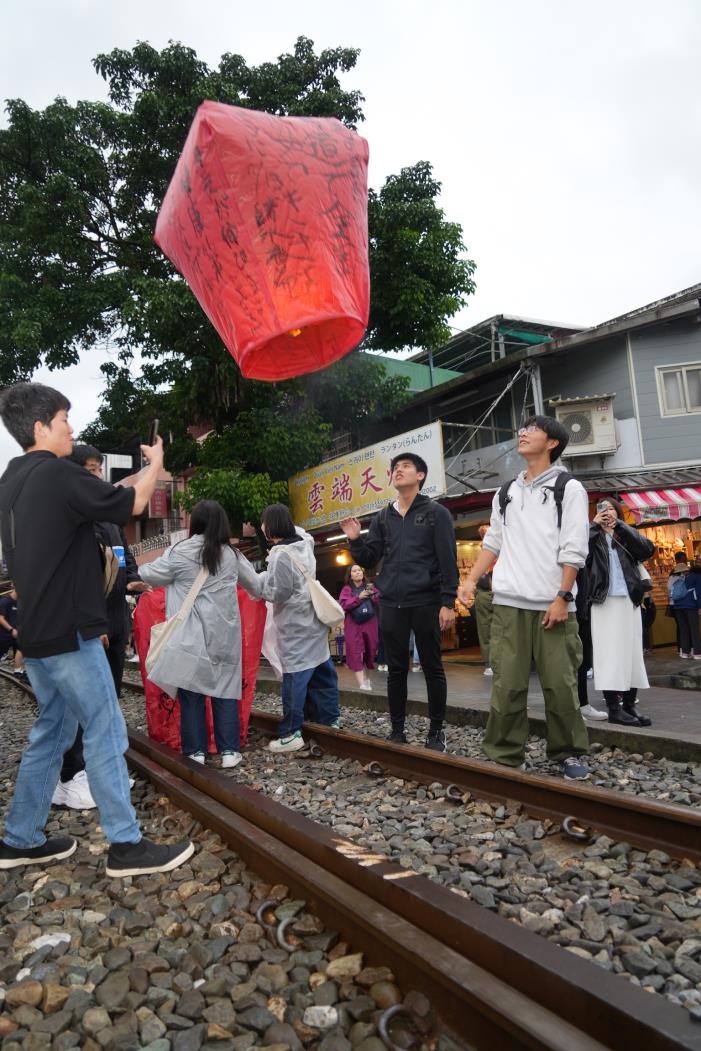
(153,432)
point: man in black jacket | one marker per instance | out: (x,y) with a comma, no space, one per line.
(417,585)
(47,510)
(73,789)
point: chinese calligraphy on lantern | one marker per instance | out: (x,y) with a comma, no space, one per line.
(360,483)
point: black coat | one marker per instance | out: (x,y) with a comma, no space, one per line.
(632,548)
(420,566)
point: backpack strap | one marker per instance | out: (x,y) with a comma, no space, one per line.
(504,497)
(559,493)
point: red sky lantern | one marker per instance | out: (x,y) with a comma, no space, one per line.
(266,219)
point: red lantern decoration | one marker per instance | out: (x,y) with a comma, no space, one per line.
(266,219)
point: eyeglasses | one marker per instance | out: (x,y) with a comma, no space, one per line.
(529,429)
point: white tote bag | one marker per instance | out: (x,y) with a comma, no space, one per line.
(327,610)
(161,633)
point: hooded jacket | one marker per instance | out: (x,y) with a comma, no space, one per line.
(420,566)
(302,639)
(204,655)
(631,547)
(48,508)
(531,549)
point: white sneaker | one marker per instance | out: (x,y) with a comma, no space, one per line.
(416,667)
(293,743)
(590,712)
(230,759)
(367,685)
(684,656)
(488,671)
(134,659)
(75,794)
(382,667)
(590,673)
(197,757)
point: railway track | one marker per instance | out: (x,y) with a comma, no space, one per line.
(585,809)
(492,983)
(633,819)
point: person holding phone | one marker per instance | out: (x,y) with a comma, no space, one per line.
(616,591)
(360,601)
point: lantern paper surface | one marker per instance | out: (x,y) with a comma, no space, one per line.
(266,219)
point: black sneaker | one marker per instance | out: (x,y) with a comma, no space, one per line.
(145,857)
(436,741)
(397,737)
(52,850)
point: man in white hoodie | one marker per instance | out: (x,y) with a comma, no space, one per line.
(540,547)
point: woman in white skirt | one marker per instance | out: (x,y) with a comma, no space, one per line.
(616,590)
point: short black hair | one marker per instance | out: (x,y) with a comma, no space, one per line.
(555,430)
(418,462)
(24,404)
(82,453)
(276,521)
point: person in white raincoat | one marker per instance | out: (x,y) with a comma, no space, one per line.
(203,657)
(307,669)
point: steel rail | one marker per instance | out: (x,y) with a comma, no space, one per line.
(601,1009)
(642,822)
(8,676)
(473,1004)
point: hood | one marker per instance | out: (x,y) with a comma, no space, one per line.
(188,550)
(546,478)
(16,474)
(303,550)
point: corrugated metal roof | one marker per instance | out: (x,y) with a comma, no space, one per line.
(419,374)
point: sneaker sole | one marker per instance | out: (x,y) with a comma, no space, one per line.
(6,863)
(576,777)
(148,870)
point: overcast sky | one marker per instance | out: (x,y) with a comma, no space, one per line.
(567,136)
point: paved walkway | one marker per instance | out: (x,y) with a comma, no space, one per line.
(675,714)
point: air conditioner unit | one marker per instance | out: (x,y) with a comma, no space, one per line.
(590,424)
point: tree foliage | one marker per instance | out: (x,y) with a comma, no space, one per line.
(82,185)
(420,277)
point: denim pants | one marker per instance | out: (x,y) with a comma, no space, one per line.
(193,723)
(73,689)
(317,685)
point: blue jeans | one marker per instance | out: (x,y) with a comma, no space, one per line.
(73,689)
(320,686)
(193,723)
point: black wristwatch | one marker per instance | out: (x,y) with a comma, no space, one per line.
(566,595)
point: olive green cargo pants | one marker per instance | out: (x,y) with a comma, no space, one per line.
(484,610)
(518,637)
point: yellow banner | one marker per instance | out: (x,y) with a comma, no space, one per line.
(358,483)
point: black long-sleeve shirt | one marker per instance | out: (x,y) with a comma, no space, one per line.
(420,566)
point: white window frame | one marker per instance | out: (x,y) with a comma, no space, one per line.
(682,367)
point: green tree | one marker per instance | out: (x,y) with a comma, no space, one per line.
(82,185)
(81,190)
(420,276)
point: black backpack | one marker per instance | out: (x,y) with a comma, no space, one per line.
(558,491)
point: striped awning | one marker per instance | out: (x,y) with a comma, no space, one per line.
(655,505)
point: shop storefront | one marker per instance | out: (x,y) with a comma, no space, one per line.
(671,519)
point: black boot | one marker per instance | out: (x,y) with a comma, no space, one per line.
(640,720)
(618,714)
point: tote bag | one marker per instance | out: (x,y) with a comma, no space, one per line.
(328,611)
(162,633)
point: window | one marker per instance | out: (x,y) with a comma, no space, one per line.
(679,389)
